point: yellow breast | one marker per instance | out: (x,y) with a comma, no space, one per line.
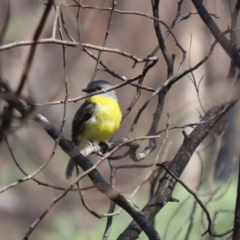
(106,119)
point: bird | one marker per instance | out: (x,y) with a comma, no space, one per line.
(97,119)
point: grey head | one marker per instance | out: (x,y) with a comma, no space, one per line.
(99,85)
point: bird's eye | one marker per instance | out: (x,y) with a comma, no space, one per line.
(99,88)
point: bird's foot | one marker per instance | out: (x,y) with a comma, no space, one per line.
(104,147)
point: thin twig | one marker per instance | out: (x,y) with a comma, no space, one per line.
(114,3)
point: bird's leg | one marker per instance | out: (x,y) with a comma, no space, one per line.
(92,143)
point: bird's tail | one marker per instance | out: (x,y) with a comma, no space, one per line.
(70,168)
(71,163)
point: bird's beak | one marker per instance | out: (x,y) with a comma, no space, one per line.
(87,90)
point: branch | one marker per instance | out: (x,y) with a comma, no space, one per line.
(98,181)
(230,49)
(233,37)
(201,204)
(114,3)
(75,44)
(236,229)
(168,59)
(8,115)
(177,166)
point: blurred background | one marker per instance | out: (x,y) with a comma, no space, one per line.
(135,34)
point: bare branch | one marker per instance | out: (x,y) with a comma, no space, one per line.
(91,171)
(230,49)
(177,165)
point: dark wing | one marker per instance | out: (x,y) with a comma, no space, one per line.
(83,114)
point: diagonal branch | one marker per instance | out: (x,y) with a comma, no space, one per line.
(230,49)
(177,166)
(98,181)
